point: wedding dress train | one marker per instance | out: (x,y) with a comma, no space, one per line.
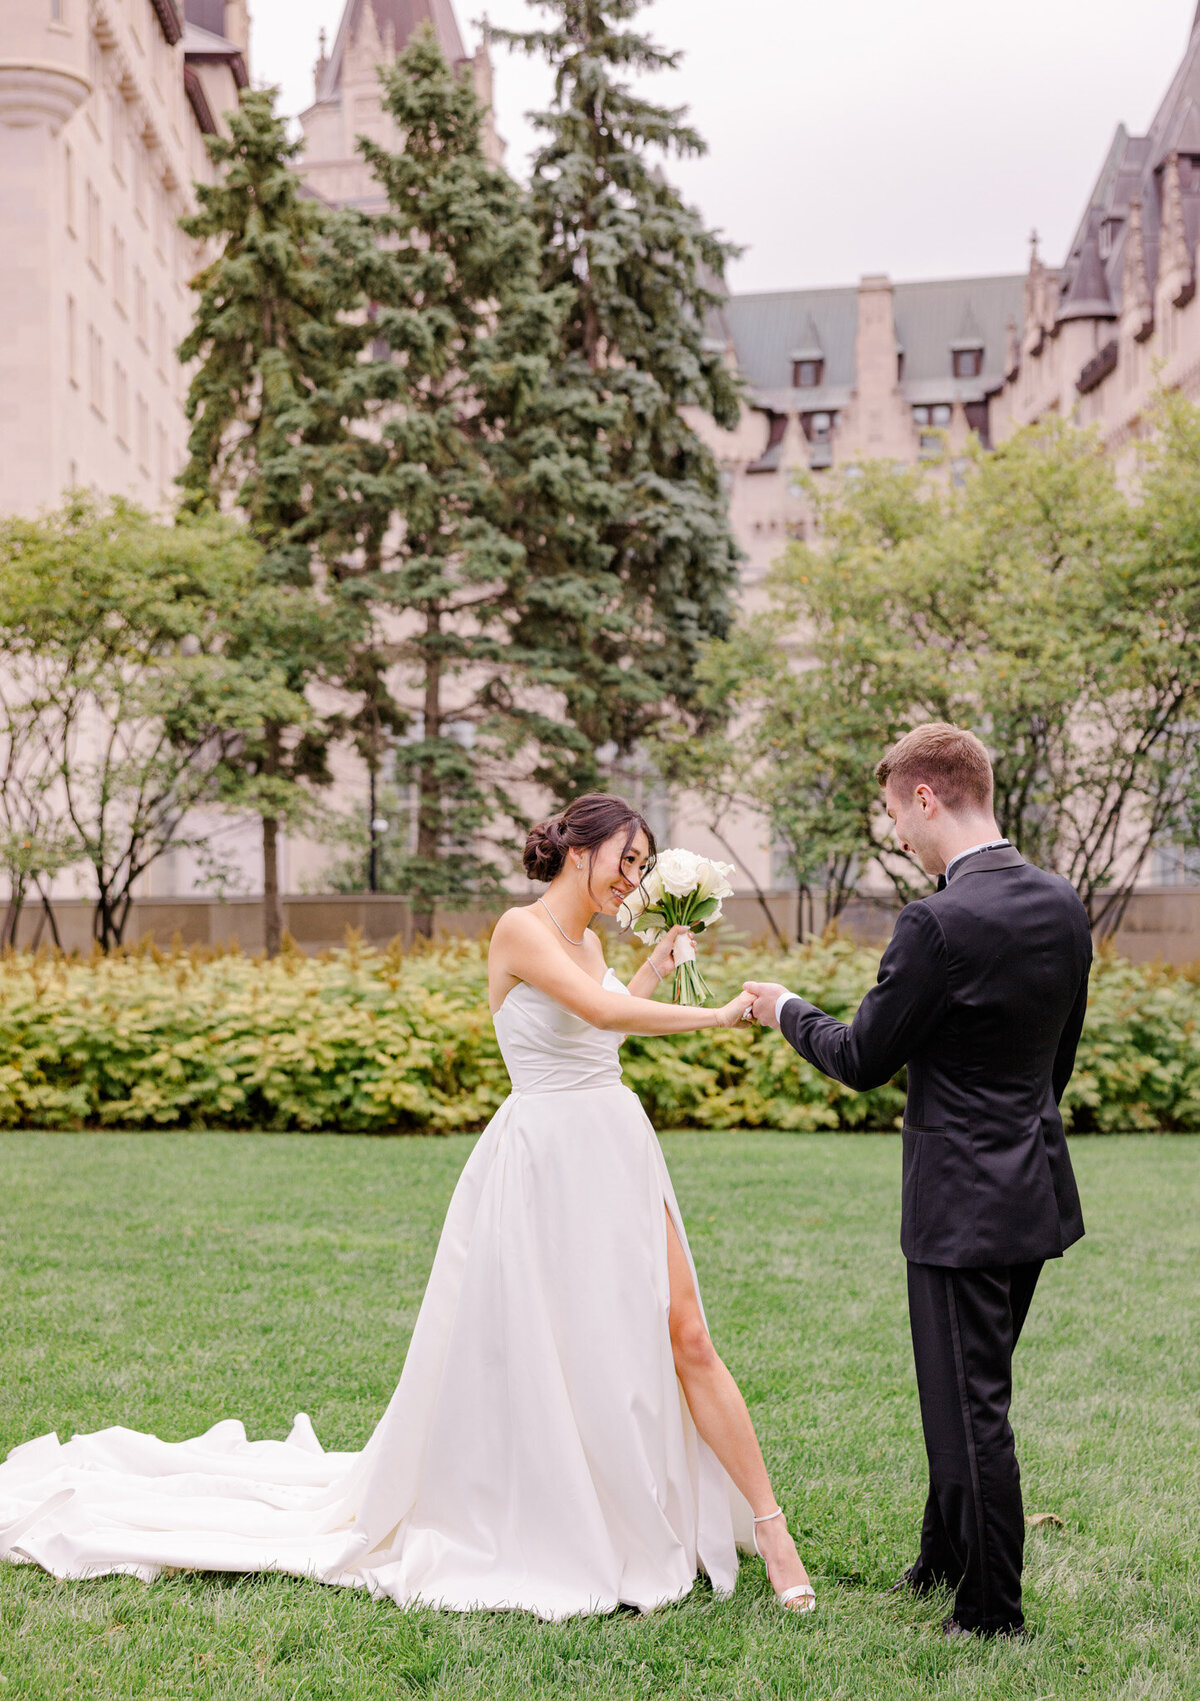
(537,1453)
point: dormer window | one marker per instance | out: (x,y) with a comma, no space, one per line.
(1108,236)
(967,362)
(807,374)
(819,427)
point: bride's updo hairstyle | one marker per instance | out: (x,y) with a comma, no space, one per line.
(583,825)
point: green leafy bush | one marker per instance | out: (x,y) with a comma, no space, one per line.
(360,1041)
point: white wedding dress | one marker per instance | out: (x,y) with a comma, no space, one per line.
(538,1452)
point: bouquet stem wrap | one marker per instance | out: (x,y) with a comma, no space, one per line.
(681,890)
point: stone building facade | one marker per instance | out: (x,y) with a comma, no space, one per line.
(882,371)
(1096,336)
(104,105)
(346,97)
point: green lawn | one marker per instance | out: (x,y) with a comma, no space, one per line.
(163,1282)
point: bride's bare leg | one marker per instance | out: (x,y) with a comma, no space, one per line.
(719,1413)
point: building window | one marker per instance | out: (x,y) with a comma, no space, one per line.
(72,341)
(140,171)
(162,214)
(116,124)
(968,362)
(121,404)
(96,370)
(141,307)
(1173,865)
(56,11)
(143,434)
(979,422)
(819,427)
(807,374)
(118,273)
(69,187)
(95,220)
(929,421)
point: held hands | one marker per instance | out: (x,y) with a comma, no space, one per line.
(765,995)
(735,1012)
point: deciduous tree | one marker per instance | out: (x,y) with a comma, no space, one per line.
(124,689)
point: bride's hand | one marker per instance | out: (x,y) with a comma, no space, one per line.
(729,1015)
(663,954)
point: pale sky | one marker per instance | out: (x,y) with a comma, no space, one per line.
(850,136)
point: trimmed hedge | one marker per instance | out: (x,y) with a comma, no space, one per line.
(364,1041)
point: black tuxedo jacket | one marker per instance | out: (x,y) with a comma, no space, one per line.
(982,993)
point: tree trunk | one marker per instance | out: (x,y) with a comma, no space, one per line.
(107,927)
(12,916)
(47,915)
(272,903)
(272,906)
(429,794)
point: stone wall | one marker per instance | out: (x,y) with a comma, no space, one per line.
(1161,922)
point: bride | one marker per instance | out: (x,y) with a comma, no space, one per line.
(564,1437)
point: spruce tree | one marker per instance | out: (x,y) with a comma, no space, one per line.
(466,510)
(644,277)
(273,333)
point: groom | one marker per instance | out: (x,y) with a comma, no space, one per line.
(981,993)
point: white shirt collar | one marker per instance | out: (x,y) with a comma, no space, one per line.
(989,844)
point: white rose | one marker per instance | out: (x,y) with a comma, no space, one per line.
(679,871)
(651,889)
(715,878)
(631,909)
(643,897)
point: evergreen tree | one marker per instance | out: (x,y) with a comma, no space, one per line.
(465,512)
(273,334)
(644,277)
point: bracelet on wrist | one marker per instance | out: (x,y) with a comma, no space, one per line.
(654,966)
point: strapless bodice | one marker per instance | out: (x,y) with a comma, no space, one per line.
(548,1050)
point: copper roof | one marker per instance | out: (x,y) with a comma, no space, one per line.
(930,318)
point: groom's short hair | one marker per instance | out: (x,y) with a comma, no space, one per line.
(952,762)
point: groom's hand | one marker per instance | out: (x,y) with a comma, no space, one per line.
(766,996)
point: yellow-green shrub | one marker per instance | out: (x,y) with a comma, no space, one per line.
(359,1041)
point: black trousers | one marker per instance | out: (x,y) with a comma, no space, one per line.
(965,1324)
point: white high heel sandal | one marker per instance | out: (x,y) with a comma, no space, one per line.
(803,1592)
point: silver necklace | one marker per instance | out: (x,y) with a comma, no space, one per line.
(560,926)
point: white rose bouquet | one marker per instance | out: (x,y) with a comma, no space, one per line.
(681,890)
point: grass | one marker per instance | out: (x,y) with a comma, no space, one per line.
(165,1281)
